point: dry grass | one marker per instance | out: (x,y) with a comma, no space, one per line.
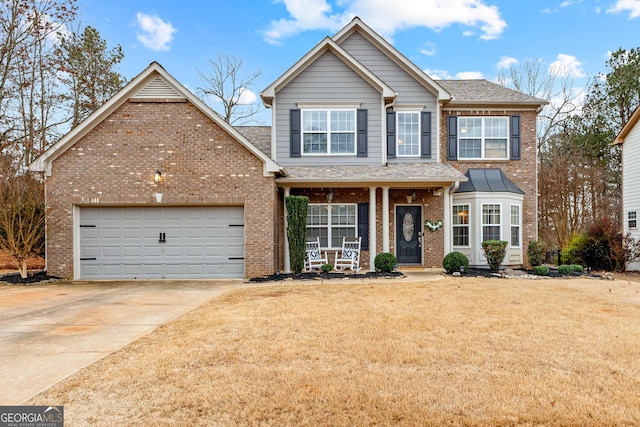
(448,352)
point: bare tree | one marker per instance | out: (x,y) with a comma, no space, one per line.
(227,87)
(22,219)
(552,84)
(27,77)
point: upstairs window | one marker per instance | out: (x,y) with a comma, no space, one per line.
(408,134)
(483,137)
(329,132)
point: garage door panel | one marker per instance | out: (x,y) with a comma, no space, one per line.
(112,252)
(111,233)
(90,251)
(125,242)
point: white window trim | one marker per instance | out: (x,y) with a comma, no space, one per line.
(467,225)
(482,224)
(482,138)
(328,110)
(411,156)
(330,225)
(519,225)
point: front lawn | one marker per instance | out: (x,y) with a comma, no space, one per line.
(455,351)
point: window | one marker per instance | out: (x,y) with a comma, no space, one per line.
(490,222)
(483,137)
(460,223)
(331,223)
(328,131)
(408,134)
(632,219)
(515,226)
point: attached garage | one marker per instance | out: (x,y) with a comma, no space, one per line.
(160,242)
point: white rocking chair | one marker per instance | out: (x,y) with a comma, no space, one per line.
(349,256)
(314,258)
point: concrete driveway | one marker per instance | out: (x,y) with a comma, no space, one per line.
(48,332)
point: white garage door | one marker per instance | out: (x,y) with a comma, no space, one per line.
(167,242)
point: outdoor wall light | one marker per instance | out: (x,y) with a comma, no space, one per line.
(157,177)
(330,196)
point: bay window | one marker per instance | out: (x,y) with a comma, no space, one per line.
(460,221)
(515,226)
(491,222)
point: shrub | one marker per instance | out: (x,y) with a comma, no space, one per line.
(297,230)
(495,251)
(385,262)
(454,260)
(572,253)
(564,269)
(576,268)
(541,270)
(326,268)
(569,269)
(536,252)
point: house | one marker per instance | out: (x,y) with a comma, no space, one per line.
(629,142)
(155,184)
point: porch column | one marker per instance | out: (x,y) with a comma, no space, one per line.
(385,219)
(448,209)
(372,227)
(287,265)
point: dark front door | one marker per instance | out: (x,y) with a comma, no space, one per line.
(408,233)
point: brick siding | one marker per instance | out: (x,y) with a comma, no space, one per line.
(201,164)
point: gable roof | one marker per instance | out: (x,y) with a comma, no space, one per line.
(633,120)
(152,83)
(488,181)
(357,25)
(326,45)
(476,92)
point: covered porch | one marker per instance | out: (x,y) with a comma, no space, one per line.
(385,205)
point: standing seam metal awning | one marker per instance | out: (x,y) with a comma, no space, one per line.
(488,181)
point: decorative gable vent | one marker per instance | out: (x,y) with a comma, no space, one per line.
(158,88)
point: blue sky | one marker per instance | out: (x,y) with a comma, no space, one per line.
(446,38)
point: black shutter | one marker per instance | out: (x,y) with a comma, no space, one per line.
(362,133)
(515,138)
(363,225)
(391,134)
(452,138)
(294,133)
(425,134)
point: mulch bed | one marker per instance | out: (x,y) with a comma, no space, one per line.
(37,277)
(553,273)
(325,276)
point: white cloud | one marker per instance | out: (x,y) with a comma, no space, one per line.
(568,3)
(469,75)
(435,14)
(566,66)
(246,97)
(463,75)
(633,6)
(506,62)
(157,34)
(428,49)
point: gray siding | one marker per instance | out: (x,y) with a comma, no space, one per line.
(328,80)
(410,92)
(631,183)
